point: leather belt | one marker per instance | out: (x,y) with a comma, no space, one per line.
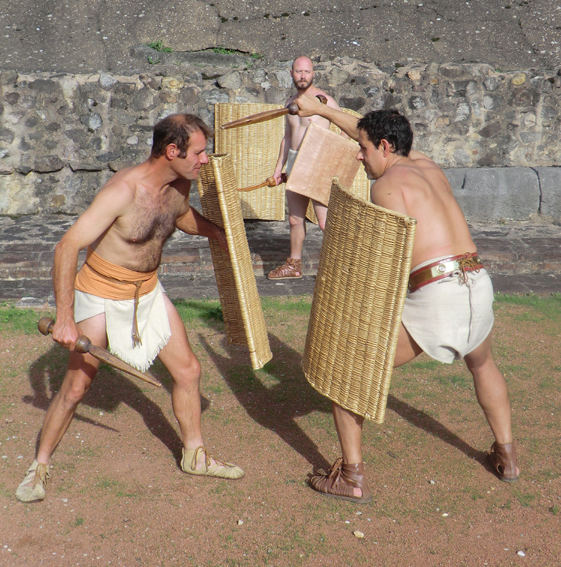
(468,262)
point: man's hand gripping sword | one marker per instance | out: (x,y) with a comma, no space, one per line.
(84,345)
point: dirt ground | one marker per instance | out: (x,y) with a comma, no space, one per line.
(118,497)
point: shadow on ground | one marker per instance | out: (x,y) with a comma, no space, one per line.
(275,407)
(109,390)
(278,407)
(432,426)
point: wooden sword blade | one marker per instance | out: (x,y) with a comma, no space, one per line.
(114,361)
(256,118)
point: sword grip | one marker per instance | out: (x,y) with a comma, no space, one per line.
(293,109)
(45,326)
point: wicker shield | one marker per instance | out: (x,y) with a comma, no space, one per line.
(255,151)
(241,306)
(358,301)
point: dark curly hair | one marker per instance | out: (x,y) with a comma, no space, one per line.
(388,125)
(177,129)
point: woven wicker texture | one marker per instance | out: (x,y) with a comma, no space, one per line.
(358,301)
(241,306)
(255,151)
(361,184)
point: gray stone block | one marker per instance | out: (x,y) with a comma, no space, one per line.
(492,194)
(231,81)
(550,184)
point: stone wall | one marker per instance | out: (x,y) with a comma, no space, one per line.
(62,135)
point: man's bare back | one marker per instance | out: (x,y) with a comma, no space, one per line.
(412,185)
(418,187)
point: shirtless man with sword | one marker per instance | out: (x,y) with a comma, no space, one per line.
(116,296)
(302,73)
(448,312)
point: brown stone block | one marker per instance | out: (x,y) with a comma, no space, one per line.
(544,248)
(188,258)
(18,261)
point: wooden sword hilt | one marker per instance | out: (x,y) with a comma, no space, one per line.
(45,326)
(269,182)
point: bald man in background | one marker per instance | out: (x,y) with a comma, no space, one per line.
(302,73)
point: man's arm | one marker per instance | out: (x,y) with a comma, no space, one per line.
(192,222)
(108,204)
(309,106)
(283,151)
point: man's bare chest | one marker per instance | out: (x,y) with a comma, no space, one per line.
(151,220)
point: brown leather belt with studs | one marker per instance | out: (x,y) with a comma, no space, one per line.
(462,263)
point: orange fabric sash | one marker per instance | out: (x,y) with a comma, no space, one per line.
(105,279)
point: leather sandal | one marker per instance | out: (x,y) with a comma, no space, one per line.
(340,481)
(217,469)
(291,269)
(502,457)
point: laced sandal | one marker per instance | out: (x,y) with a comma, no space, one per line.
(340,481)
(33,485)
(502,457)
(217,469)
(291,269)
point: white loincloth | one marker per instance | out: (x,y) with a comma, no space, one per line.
(448,319)
(153,324)
(290,161)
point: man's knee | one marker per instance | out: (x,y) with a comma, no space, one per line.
(480,358)
(189,373)
(321,214)
(73,390)
(296,221)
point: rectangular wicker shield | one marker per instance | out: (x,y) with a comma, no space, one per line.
(241,306)
(358,301)
(254,150)
(322,155)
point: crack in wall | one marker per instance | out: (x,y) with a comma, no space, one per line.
(540,188)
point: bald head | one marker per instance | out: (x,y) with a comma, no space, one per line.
(302,73)
(302,62)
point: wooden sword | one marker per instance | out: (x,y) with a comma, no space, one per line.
(84,345)
(269,182)
(292,109)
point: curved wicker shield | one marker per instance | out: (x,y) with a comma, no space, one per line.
(358,300)
(241,306)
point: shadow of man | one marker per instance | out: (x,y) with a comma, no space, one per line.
(424,421)
(275,408)
(109,390)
